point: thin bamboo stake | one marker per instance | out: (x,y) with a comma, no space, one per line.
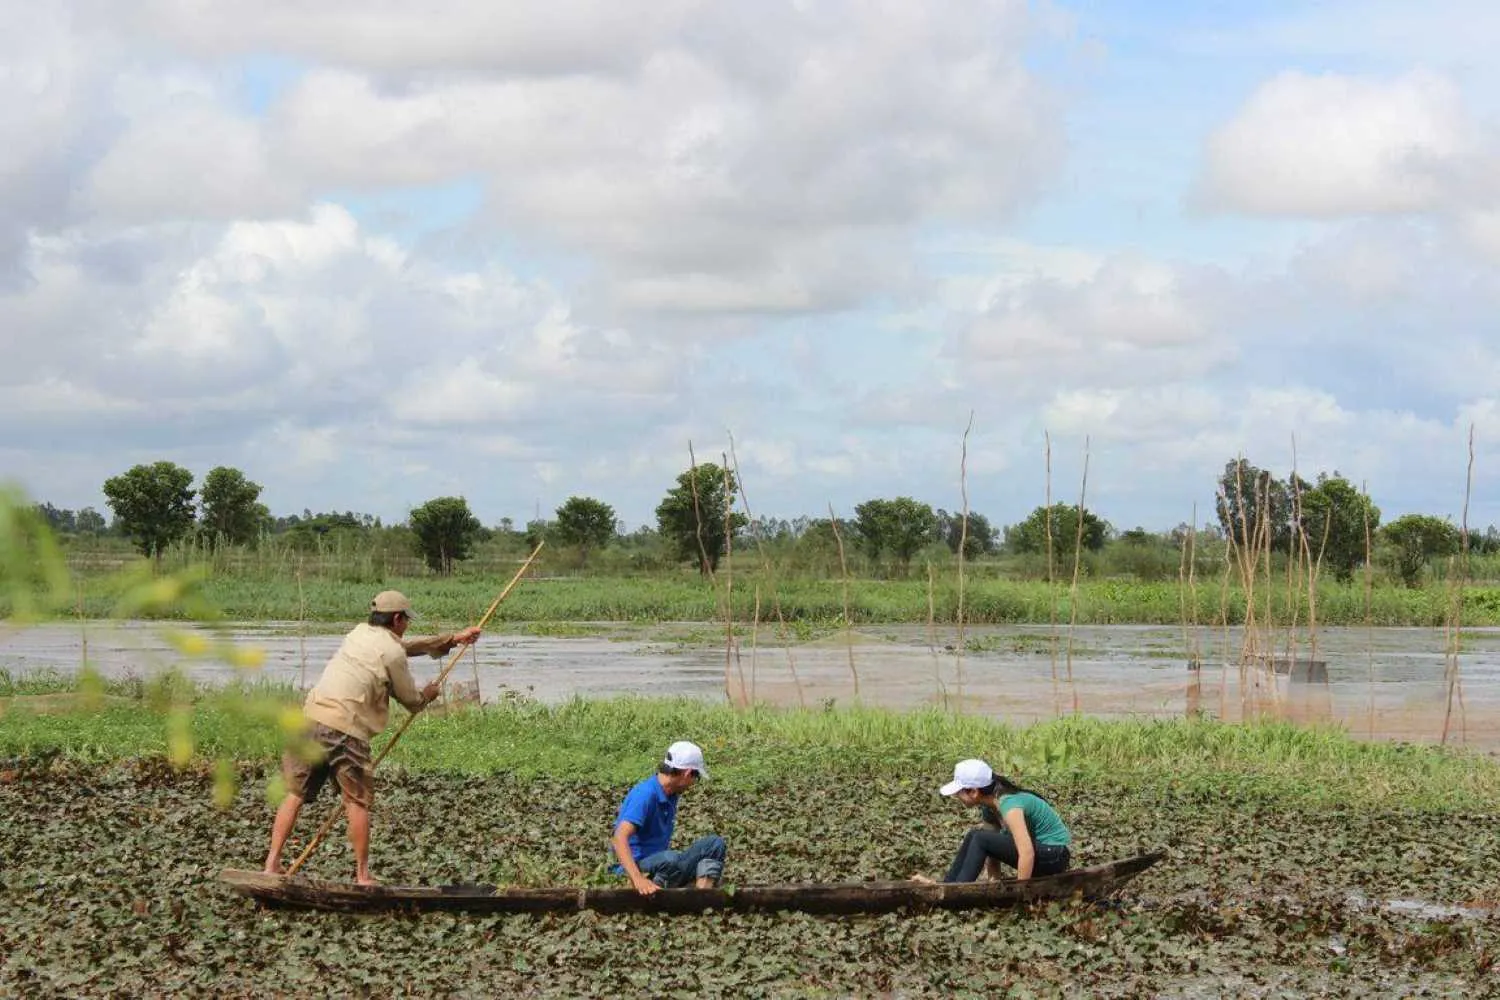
(1051,582)
(301,629)
(1223,499)
(731,651)
(937,666)
(337,810)
(848,619)
(963,541)
(474,661)
(765,561)
(1188,609)
(754,644)
(1456,603)
(1077,559)
(1369,625)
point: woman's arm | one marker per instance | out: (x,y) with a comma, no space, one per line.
(1015,822)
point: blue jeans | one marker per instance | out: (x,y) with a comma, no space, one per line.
(704,858)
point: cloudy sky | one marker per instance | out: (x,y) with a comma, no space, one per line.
(374,252)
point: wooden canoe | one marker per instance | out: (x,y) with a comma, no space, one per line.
(846,897)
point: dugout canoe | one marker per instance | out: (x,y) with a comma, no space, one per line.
(830,898)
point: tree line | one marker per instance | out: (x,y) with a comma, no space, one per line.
(1326,520)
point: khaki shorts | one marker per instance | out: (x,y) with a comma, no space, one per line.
(345,757)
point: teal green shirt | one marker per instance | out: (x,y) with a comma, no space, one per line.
(1042,821)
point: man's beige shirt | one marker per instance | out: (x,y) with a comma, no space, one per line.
(353,695)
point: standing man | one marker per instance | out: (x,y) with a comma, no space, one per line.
(643,829)
(346,708)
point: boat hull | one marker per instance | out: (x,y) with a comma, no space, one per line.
(824,898)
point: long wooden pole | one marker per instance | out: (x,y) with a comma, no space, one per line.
(336,811)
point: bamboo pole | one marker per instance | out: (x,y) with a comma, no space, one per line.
(963,541)
(1073,589)
(1452,679)
(336,811)
(833,522)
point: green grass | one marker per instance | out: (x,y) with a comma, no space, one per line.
(611,740)
(805,603)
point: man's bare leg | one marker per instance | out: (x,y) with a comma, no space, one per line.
(281,829)
(359,837)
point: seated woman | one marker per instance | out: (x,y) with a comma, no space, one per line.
(1021,828)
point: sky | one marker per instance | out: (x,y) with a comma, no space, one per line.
(372,253)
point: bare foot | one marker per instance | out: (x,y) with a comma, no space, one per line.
(919,877)
(366,879)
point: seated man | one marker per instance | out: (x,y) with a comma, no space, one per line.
(643,829)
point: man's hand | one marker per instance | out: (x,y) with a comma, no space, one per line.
(431,691)
(466,636)
(644,885)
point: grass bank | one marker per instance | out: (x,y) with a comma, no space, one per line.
(610,740)
(799,601)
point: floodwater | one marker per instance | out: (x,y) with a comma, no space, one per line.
(1383,683)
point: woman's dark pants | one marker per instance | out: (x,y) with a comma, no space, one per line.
(986,842)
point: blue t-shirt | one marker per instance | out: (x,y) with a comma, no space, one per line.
(653,812)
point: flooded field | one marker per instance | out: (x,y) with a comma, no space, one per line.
(1388,683)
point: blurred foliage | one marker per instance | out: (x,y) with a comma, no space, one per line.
(35,584)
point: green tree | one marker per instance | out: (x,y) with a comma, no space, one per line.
(586,523)
(1251,500)
(1030,536)
(61,520)
(538,530)
(1417,539)
(153,505)
(1334,520)
(694,515)
(900,527)
(89,522)
(231,511)
(445,530)
(979,539)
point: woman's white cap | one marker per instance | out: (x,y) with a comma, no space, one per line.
(968,774)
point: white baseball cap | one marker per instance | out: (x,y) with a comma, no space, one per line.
(686,756)
(968,774)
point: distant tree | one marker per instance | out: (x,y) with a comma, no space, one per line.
(538,530)
(1030,536)
(1417,539)
(980,539)
(1252,500)
(694,515)
(153,505)
(1486,543)
(1334,520)
(231,512)
(445,530)
(587,523)
(89,522)
(900,527)
(60,520)
(1137,536)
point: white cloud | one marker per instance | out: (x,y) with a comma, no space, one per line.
(1331,145)
(524,36)
(1124,323)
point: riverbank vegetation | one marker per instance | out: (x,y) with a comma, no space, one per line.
(1299,861)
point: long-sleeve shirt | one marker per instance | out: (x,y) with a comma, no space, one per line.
(353,694)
